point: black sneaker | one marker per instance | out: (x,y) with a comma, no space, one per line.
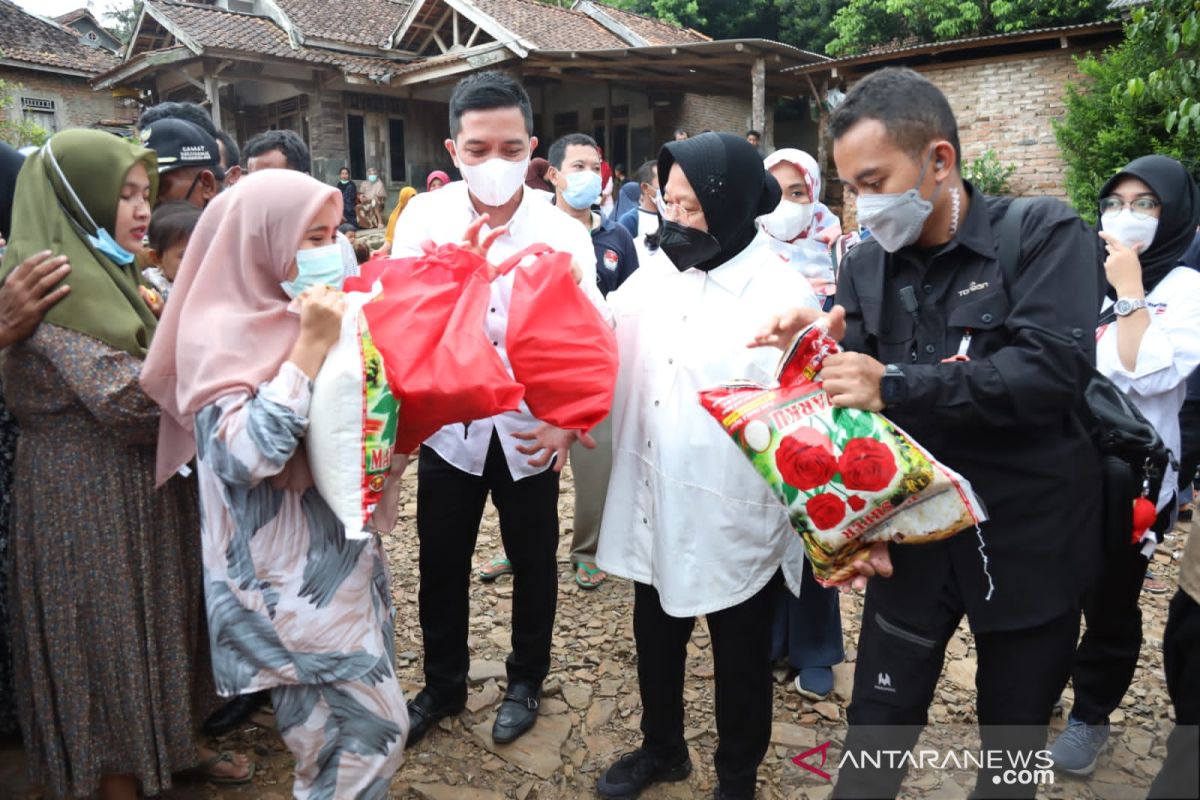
(635,771)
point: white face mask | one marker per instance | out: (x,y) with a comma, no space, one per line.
(788,220)
(1130,228)
(496,180)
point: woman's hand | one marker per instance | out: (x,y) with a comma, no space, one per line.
(547,442)
(321,312)
(28,293)
(782,328)
(1123,268)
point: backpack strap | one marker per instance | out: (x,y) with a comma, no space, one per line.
(1008,241)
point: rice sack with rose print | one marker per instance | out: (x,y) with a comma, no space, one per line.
(848,478)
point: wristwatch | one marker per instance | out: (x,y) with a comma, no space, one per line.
(893,389)
(1127,305)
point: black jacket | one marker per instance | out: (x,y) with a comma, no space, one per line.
(1005,420)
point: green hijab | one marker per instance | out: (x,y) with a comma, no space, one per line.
(104,300)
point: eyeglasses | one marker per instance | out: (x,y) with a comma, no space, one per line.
(678,213)
(1141,207)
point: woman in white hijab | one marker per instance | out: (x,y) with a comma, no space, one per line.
(802,230)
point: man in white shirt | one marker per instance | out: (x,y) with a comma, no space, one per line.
(687,516)
(491,128)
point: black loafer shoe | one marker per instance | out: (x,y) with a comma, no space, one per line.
(424,712)
(517,713)
(638,770)
(721,794)
(234,713)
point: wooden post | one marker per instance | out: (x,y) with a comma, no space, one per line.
(758,96)
(212,91)
(608,122)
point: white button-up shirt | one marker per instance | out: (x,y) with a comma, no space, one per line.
(442,216)
(1169,351)
(686,511)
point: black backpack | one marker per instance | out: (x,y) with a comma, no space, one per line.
(1134,456)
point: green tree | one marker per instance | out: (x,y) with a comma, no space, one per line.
(121,21)
(1176,82)
(863,24)
(1107,124)
(802,23)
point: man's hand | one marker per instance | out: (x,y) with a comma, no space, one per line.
(782,328)
(852,381)
(877,563)
(472,242)
(547,442)
(28,293)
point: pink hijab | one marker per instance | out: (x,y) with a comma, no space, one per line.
(226,328)
(825,226)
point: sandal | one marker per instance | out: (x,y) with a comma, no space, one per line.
(225,757)
(1153,585)
(589,576)
(496,568)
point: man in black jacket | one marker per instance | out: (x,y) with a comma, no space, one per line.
(986,374)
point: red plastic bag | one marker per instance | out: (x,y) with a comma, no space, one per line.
(560,348)
(429,327)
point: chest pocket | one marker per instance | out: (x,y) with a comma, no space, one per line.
(886,326)
(985,317)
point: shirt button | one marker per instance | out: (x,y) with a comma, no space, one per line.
(493,310)
(647,444)
(1077,333)
(685,317)
(670,361)
(930,349)
(928,288)
(986,317)
(655,402)
(645,521)
(495,343)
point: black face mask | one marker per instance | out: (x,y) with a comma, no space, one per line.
(689,247)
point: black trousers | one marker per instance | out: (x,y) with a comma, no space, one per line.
(449,508)
(1018,678)
(1108,651)
(741,648)
(1189,430)
(1180,773)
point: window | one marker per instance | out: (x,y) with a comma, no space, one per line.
(356,140)
(396,149)
(40,111)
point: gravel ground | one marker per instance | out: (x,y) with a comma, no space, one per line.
(592,708)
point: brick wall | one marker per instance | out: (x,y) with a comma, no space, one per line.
(1009,106)
(713,112)
(76,105)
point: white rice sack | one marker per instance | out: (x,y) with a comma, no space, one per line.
(352,422)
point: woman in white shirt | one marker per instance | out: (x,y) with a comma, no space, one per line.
(687,518)
(1148,343)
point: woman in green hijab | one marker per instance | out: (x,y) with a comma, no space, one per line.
(108,636)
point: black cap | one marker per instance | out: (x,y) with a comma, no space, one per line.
(179,143)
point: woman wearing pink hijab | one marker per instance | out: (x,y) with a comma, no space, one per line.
(436,180)
(293,606)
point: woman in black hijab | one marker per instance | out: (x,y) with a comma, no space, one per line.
(1148,343)
(687,518)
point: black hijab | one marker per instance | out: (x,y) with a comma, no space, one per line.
(733,187)
(10,165)
(1179,215)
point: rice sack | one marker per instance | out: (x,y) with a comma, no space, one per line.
(352,422)
(847,477)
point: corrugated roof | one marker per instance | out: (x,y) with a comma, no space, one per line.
(886,53)
(41,43)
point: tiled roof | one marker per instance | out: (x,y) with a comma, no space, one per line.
(71,16)
(26,38)
(213,28)
(368,22)
(654,31)
(549,27)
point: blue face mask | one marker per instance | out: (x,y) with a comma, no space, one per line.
(583,189)
(316,267)
(104,243)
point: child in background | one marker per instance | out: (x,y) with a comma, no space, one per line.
(170,229)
